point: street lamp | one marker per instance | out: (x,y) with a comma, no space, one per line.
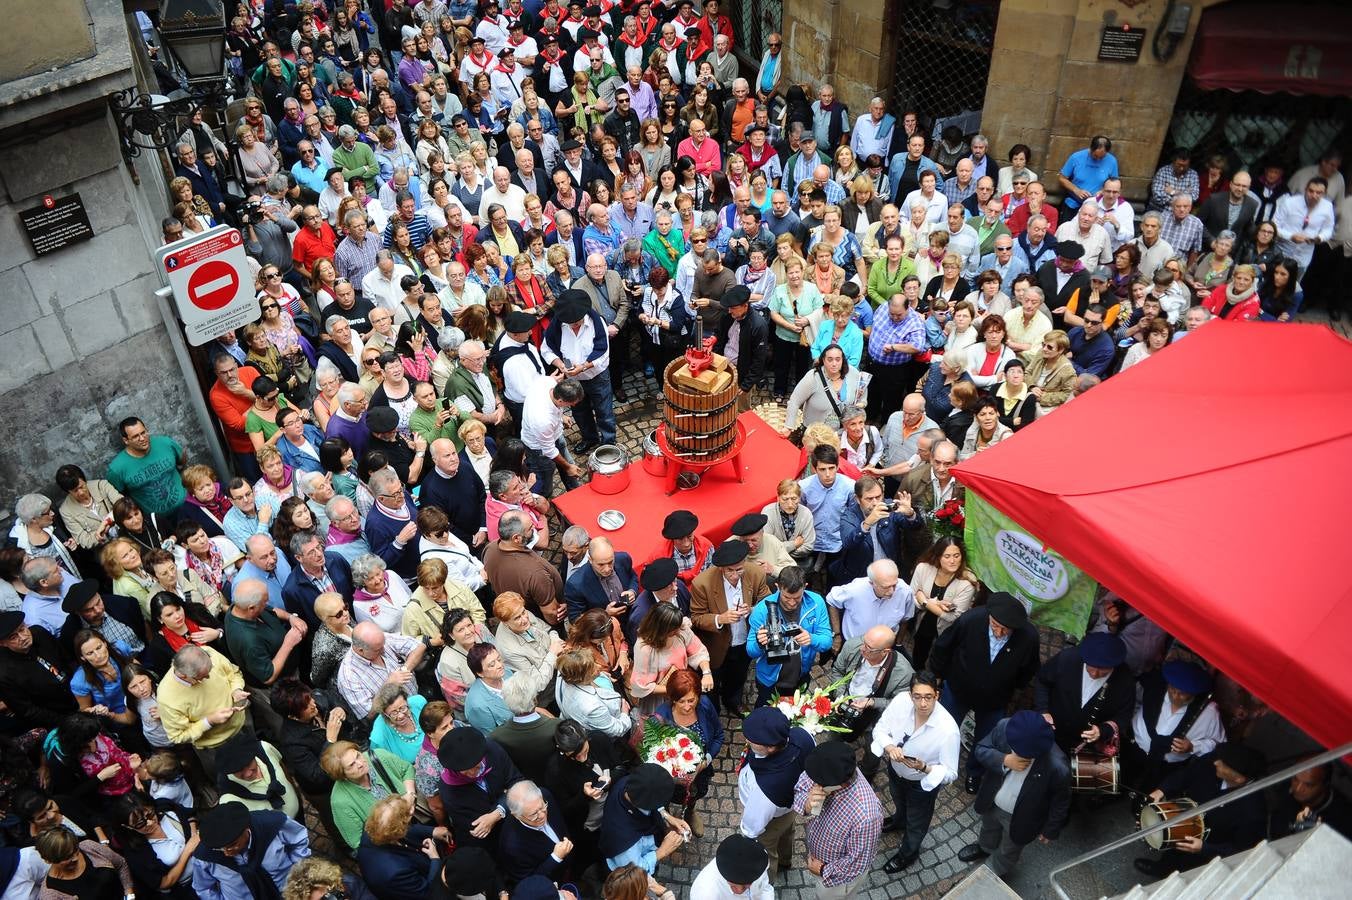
(193,34)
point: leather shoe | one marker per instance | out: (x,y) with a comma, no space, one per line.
(892,823)
(620,394)
(1149,867)
(972,853)
(900,863)
(973,784)
(583,447)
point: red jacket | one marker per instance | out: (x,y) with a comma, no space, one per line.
(1245,311)
(231,410)
(706,35)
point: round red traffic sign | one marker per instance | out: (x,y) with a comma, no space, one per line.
(212,285)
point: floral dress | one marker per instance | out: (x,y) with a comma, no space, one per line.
(652,665)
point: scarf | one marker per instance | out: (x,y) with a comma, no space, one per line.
(287,473)
(671,252)
(337,537)
(530,293)
(1233,299)
(178,641)
(212,569)
(364,595)
(483,62)
(456,779)
(777,773)
(217,506)
(274,793)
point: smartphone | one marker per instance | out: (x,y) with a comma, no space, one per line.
(445,402)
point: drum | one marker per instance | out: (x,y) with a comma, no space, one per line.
(1164,810)
(1094,773)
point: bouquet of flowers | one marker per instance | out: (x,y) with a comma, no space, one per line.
(949,520)
(811,709)
(673,748)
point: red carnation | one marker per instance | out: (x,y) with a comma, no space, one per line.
(943,513)
(823,705)
(661,756)
(683,742)
(959,519)
(688,756)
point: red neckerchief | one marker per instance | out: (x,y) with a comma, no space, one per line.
(558,54)
(530,290)
(481,63)
(647,32)
(688,23)
(675,42)
(517,43)
(502,68)
(635,41)
(578,21)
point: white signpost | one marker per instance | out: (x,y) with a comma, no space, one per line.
(212,283)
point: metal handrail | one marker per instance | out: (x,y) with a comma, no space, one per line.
(1223,799)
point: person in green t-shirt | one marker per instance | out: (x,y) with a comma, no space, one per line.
(434,422)
(147,468)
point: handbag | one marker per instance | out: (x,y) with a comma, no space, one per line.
(422,810)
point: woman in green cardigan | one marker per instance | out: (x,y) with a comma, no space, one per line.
(359,780)
(886,276)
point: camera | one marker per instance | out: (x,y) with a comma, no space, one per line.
(779,644)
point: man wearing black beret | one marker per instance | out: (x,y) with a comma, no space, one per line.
(1086,692)
(740,867)
(635,826)
(32,683)
(660,583)
(842,817)
(246,854)
(721,600)
(744,338)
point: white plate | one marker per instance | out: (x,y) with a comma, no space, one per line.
(611,520)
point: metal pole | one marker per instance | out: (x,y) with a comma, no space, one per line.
(199,406)
(1226,797)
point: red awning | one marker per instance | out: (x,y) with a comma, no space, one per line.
(1295,48)
(1211,487)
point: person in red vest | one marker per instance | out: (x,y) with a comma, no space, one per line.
(710,25)
(692,552)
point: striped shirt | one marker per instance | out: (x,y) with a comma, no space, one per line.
(844,835)
(358,678)
(354,260)
(419,230)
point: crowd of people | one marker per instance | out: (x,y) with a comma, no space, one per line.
(470,221)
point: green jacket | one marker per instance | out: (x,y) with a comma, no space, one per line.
(360,160)
(881,287)
(352,803)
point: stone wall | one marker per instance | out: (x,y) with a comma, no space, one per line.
(81,339)
(846,42)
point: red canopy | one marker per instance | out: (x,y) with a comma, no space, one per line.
(1211,487)
(1297,48)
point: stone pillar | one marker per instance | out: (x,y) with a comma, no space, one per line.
(1047,88)
(81,339)
(845,42)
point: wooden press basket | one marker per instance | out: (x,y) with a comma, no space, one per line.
(699,426)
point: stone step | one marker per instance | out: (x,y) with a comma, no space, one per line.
(981,884)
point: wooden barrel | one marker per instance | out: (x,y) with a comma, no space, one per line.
(699,426)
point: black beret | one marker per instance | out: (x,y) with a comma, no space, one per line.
(551,38)
(381,420)
(238,752)
(515,24)
(741,860)
(462,749)
(737,295)
(472,871)
(1007,609)
(766,725)
(476,39)
(658,574)
(730,553)
(518,322)
(679,524)
(1103,650)
(79,595)
(221,825)
(572,307)
(1070,250)
(592,11)
(586,34)
(650,787)
(830,764)
(749,524)
(570,144)
(9,623)
(508,50)
(535,887)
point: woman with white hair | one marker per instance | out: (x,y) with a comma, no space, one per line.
(378,596)
(34,531)
(449,339)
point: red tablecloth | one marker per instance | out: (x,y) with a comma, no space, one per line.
(719,500)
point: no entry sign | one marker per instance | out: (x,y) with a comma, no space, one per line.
(212,283)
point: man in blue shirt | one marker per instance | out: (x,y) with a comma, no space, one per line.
(310,171)
(1085,171)
(265,564)
(793,605)
(1003,261)
(1091,347)
(826,492)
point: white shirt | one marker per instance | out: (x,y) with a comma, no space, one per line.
(733,593)
(542,421)
(518,373)
(937,742)
(1293,216)
(936,207)
(1008,795)
(1125,229)
(757,809)
(29,875)
(1089,686)
(472,295)
(382,291)
(465,404)
(862,608)
(328,203)
(1205,733)
(513,200)
(577,345)
(711,885)
(1097,245)
(861,685)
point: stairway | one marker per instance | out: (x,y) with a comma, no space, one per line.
(1309,865)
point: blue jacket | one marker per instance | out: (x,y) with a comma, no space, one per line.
(646,601)
(898,166)
(812,618)
(292,456)
(461,498)
(486,236)
(484,709)
(299,593)
(600,340)
(1091,356)
(583,590)
(380,532)
(856,545)
(398,871)
(523,851)
(706,716)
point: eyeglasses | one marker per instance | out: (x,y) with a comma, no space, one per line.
(774,44)
(375,360)
(267,306)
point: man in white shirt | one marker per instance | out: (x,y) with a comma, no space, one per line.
(740,869)
(1173,721)
(460,293)
(1303,221)
(775,756)
(518,361)
(542,426)
(577,345)
(335,189)
(1085,230)
(505,194)
(879,598)
(921,743)
(380,286)
(873,133)
(1115,214)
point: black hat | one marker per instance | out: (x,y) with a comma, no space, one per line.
(741,860)
(221,825)
(79,595)
(426,281)
(830,764)
(238,752)
(1244,760)
(462,749)
(587,34)
(730,553)
(9,623)
(650,787)
(381,420)
(476,39)
(1070,250)
(749,524)
(508,50)
(1029,734)
(534,887)
(1186,676)
(592,11)
(572,306)
(1103,650)
(549,38)
(735,296)
(1007,609)
(515,24)
(471,870)
(679,524)
(766,725)
(658,574)
(570,144)
(753,127)
(517,322)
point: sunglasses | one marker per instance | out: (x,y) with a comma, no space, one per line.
(268,306)
(371,362)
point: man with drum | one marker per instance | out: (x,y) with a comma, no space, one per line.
(1174,719)
(1087,694)
(1226,830)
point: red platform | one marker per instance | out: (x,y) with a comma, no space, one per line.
(720,499)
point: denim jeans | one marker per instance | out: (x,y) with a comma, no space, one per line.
(985,721)
(595,415)
(544,469)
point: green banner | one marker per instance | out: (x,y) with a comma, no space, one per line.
(1007,558)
